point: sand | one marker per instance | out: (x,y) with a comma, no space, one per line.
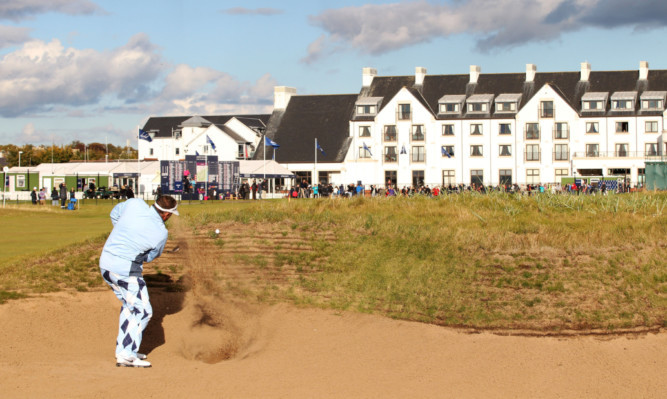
(62,346)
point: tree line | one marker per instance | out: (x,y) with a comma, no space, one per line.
(33,155)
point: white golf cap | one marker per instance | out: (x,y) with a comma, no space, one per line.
(172,210)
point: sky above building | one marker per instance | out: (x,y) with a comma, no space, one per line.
(96,70)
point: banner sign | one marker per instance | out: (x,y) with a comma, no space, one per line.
(204,173)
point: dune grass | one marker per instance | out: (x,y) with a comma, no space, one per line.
(547,262)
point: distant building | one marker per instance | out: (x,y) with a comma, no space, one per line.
(234,137)
(474,128)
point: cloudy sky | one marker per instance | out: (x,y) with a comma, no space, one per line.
(95,70)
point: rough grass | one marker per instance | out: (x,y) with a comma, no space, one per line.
(547,262)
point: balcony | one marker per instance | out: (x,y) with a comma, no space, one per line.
(615,154)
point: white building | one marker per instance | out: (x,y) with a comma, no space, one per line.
(475,128)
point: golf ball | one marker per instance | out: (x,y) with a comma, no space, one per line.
(217,231)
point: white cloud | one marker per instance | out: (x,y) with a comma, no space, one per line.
(200,90)
(11,36)
(250,11)
(24,9)
(42,75)
(382,28)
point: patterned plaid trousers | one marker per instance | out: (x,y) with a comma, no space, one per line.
(135,312)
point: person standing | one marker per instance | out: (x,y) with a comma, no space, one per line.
(139,235)
(63,195)
(42,196)
(33,195)
(54,197)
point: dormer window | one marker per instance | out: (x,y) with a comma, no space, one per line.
(653,100)
(367,106)
(451,104)
(507,103)
(594,101)
(623,100)
(479,103)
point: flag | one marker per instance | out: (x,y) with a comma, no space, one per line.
(368,149)
(144,135)
(209,141)
(319,147)
(403,151)
(196,152)
(444,152)
(268,141)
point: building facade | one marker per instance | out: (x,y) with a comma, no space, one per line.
(478,128)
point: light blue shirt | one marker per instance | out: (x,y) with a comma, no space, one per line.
(138,236)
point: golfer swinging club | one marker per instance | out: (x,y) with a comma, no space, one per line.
(138,236)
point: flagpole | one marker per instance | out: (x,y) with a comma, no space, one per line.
(138,164)
(315,168)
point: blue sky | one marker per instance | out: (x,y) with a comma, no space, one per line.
(94,70)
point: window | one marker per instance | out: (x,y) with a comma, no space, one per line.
(621,150)
(417,154)
(364,153)
(150,151)
(323,176)
(621,104)
(476,151)
(561,131)
(505,150)
(652,104)
(205,149)
(592,105)
(478,107)
(178,151)
(532,176)
(418,133)
(532,131)
(505,128)
(505,107)
(561,152)
(404,112)
(448,178)
(390,154)
(547,109)
(651,127)
(20,181)
(366,109)
(475,129)
(390,176)
(241,153)
(622,127)
(364,131)
(651,149)
(417,178)
(505,177)
(592,127)
(447,130)
(450,107)
(477,177)
(447,149)
(560,173)
(532,152)
(592,150)
(390,133)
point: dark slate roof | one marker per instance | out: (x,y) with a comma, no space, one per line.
(165,124)
(324,117)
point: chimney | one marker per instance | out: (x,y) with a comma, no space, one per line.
(367,76)
(475,70)
(531,70)
(420,73)
(585,71)
(643,70)
(281,96)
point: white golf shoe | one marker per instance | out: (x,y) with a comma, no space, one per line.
(131,362)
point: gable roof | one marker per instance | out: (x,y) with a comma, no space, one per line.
(325,117)
(163,125)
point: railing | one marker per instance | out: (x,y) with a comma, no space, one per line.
(615,154)
(562,133)
(403,115)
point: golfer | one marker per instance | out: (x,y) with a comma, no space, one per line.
(138,236)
